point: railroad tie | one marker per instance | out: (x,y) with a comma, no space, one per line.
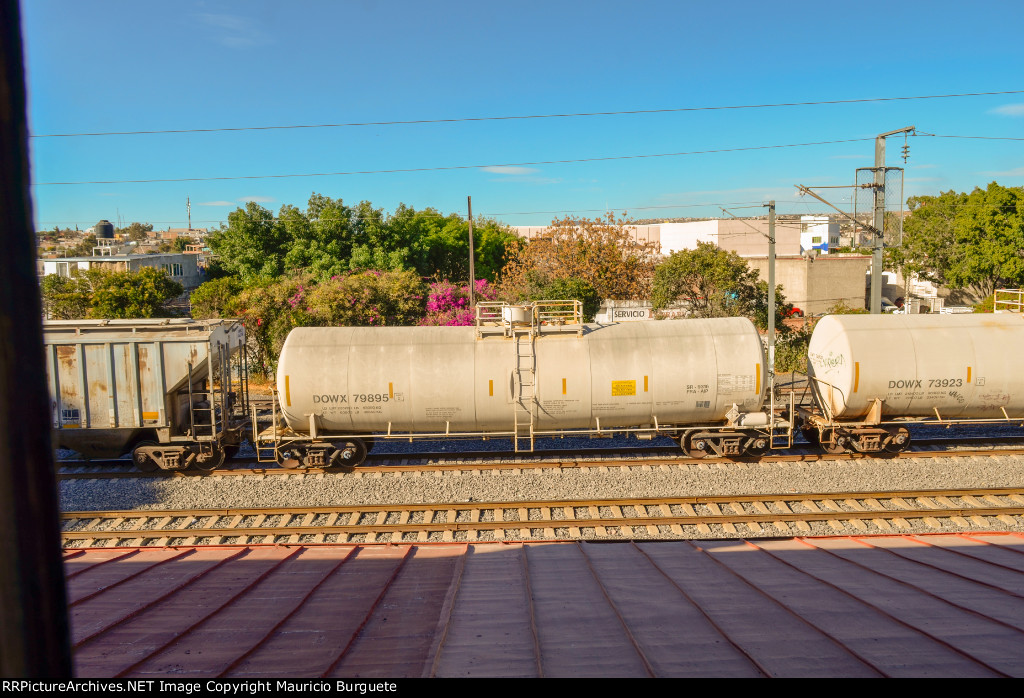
(666,511)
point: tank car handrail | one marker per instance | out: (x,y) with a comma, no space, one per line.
(826,407)
(530,317)
(1008,300)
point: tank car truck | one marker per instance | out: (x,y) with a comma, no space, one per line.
(521,372)
(173,392)
(874,376)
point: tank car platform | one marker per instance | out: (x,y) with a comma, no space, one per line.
(930,605)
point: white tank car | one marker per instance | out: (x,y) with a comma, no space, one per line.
(447,379)
(964,366)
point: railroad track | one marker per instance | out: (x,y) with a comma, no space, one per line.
(672,517)
(565,458)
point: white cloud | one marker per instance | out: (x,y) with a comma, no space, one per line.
(235,31)
(215,203)
(530,180)
(1009,110)
(257,199)
(509,170)
(1015,172)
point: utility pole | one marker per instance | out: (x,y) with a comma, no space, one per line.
(472,270)
(879,222)
(771,290)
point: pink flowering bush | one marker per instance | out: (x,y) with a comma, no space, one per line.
(448,304)
(368,298)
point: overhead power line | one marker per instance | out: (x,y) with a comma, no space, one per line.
(528,116)
(461,167)
(984,138)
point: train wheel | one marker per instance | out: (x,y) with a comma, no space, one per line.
(758,446)
(349,454)
(693,445)
(142,460)
(837,444)
(215,460)
(290,458)
(899,441)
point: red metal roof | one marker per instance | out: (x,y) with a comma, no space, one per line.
(934,605)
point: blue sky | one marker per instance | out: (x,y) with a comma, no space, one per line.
(124,65)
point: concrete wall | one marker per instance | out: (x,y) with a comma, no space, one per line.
(815,286)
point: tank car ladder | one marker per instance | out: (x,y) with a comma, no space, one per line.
(526,397)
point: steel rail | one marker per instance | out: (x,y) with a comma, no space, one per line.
(572,514)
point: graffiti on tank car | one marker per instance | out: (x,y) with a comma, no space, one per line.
(831,360)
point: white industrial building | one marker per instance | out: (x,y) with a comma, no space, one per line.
(816,233)
(180,267)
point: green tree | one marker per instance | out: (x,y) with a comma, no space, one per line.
(711,282)
(966,241)
(368,298)
(493,241)
(319,240)
(253,244)
(181,242)
(573,290)
(216,298)
(437,245)
(66,298)
(140,294)
(269,310)
(136,231)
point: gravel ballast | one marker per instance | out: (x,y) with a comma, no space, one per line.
(509,485)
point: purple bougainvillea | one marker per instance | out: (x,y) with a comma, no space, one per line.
(448,304)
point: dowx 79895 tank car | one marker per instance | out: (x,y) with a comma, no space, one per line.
(520,373)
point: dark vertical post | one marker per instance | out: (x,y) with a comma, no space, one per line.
(33,614)
(771,290)
(472,270)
